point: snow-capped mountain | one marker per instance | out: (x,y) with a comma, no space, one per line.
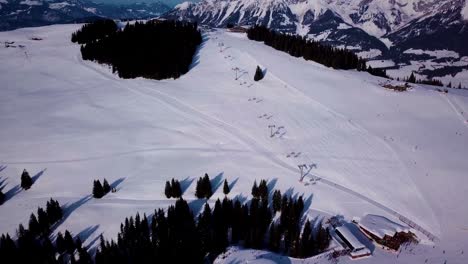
(375,29)
(24,13)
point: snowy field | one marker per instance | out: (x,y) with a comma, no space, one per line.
(374,151)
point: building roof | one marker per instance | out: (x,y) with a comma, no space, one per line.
(381,226)
(350,238)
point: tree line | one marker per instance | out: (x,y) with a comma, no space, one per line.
(93,31)
(33,245)
(155,49)
(298,46)
(179,236)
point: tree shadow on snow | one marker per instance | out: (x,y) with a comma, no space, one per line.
(3,167)
(196,57)
(2,183)
(197,206)
(38,175)
(116,183)
(68,209)
(185,184)
(12,192)
(264,71)
(216,182)
(233,183)
(86,233)
(241,198)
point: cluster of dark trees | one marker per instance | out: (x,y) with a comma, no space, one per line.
(298,46)
(93,31)
(181,237)
(155,49)
(2,197)
(376,72)
(40,225)
(173,189)
(26,180)
(99,190)
(435,82)
(258,74)
(203,188)
(33,245)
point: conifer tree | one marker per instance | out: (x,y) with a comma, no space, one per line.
(276,201)
(255,190)
(60,243)
(2,197)
(34,226)
(412,78)
(98,190)
(258,74)
(263,190)
(459,85)
(44,222)
(274,239)
(106,187)
(226,189)
(26,180)
(207,186)
(69,243)
(168,190)
(176,189)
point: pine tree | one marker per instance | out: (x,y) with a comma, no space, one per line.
(199,193)
(168,190)
(60,243)
(176,189)
(255,190)
(263,190)
(258,74)
(26,180)
(106,187)
(306,249)
(44,222)
(98,190)
(276,201)
(226,189)
(412,78)
(207,189)
(69,243)
(459,86)
(34,226)
(275,239)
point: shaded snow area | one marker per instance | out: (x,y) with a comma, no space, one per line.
(374,151)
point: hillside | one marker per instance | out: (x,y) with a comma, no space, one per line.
(376,151)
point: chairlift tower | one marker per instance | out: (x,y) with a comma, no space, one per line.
(272,133)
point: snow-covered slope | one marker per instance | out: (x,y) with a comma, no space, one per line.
(376,151)
(381,29)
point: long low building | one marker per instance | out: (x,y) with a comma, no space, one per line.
(358,249)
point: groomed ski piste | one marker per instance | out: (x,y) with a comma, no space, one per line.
(368,150)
